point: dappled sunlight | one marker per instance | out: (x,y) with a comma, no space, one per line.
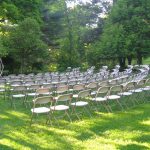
(17,114)
(117,130)
(146,122)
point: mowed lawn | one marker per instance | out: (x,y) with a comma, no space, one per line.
(127,130)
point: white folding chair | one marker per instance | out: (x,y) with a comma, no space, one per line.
(41,105)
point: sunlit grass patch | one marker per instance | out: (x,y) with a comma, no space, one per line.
(103,131)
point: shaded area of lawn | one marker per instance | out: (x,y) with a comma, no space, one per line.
(118,130)
(146,61)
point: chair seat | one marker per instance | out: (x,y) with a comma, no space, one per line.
(18,95)
(60,107)
(93,93)
(15,85)
(99,99)
(71,90)
(32,94)
(113,97)
(80,103)
(125,93)
(75,96)
(2,90)
(40,110)
(136,91)
(47,93)
(146,88)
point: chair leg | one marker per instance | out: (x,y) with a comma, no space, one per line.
(124,103)
(105,106)
(74,111)
(68,116)
(109,107)
(31,119)
(117,100)
(87,111)
(52,114)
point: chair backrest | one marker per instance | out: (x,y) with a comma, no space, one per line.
(64,97)
(19,88)
(42,90)
(84,93)
(62,89)
(141,83)
(116,89)
(119,80)
(130,85)
(50,86)
(2,81)
(61,84)
(104,83)
(17,82)
(92,85)
(29,82)
(43,100)
(34,87)
(40,81)
(78,87)
(148,81)
(103,90)
(124,79)
(113,82)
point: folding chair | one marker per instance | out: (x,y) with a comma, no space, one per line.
(93,87)
(82,95)
(18,93)
(140,89)
(43,92)
(77,88)
(128,92)
(62,90)
(113,95)
(3,90)
(101,98)
(39,107)
(31,93)
(62,103)
(103,83)
(146,89)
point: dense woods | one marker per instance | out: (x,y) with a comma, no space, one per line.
(50,35)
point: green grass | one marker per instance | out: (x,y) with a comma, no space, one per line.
(128,130)
(146,61)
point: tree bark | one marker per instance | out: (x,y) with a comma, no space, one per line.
(122,62)
(129,60)
(139,58)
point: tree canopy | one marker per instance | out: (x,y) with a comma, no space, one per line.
(55,34)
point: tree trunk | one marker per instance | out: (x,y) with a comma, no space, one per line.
(122,62)
(129,60)
(139,58)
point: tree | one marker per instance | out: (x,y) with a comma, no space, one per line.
(27,48)
(126,31)
(16,11)
(3,49)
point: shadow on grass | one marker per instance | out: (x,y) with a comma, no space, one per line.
(133,147)
(5,147)
(129,121)
(97,125)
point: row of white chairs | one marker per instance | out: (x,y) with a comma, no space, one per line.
(69,103)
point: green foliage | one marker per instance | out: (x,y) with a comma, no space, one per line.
(3,49)
(126,30)
(76,36)
(27,48)
(16,11)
